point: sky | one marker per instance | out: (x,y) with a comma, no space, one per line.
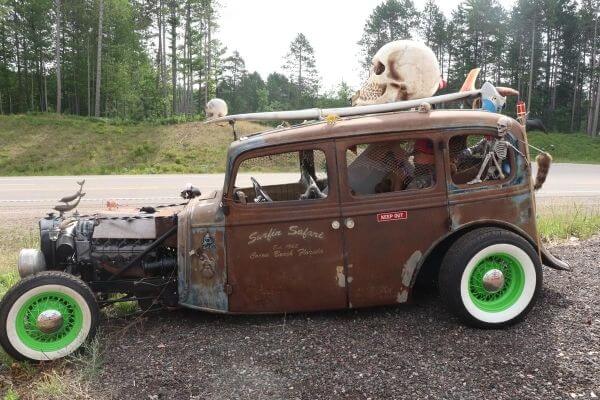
(262,30)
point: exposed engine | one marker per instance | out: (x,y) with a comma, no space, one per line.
(130,253)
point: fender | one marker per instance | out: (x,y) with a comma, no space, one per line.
(547,259)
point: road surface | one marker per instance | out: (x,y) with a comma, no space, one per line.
(569,182)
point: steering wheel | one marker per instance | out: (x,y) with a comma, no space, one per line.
(312,190)
(261,195)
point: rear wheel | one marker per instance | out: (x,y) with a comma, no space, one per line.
(490,277)
(47,316)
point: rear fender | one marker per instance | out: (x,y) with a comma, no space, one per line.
(553,262)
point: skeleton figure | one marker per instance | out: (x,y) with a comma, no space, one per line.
(215,108)
(493,150)
(402,70)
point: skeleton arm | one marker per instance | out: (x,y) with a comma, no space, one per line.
(478,150)
(517,150)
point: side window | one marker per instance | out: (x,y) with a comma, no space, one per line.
(391,166)
(479,158)
(298,175)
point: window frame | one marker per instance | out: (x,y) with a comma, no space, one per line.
(432,135)
(485,131)
(325,147)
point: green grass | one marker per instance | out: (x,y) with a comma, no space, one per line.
(557,223)
(568,147)
(12,240)
(47,144)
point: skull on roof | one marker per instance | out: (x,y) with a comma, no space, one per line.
(401,70)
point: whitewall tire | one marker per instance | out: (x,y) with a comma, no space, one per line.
(47,316)
(490,277)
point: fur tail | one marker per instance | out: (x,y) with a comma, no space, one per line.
(543,160)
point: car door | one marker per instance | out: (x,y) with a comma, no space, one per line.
(394,207)
(286,254)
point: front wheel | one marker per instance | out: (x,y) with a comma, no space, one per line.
(47,316)
(490,277)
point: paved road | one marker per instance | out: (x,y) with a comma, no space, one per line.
(566,181)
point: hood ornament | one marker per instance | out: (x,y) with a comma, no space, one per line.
(68,206)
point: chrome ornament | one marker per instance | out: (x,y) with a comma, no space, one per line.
(49,321)
(493,280)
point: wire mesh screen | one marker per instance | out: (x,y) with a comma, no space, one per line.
(390,166)
(473,159)
(284,176)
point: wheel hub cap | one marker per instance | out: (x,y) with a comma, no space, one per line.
(49,321)
(493,280)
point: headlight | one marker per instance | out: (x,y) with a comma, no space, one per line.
(31,261)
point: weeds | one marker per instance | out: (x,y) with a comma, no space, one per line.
(59,385)
(557,223)
(89,362)
(11,395)
(122,309)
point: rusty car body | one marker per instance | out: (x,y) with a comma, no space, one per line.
(325,243)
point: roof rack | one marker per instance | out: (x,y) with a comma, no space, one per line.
(492,100)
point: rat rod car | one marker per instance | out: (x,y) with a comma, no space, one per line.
(338,214)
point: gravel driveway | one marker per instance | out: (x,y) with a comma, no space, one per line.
(413,351)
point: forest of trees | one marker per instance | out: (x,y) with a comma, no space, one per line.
(148,59)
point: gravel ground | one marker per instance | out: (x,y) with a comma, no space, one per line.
(413,351)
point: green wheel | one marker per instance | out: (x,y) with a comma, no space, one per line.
(47,316)
(490,277)
(496,282)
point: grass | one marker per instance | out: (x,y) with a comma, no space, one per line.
(47,144)
(12,240)
(568,147)
(577,221)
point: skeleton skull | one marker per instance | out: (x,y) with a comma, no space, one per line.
(502,126)
(402,70)
(215,108)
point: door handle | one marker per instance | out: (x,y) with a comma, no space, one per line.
(335,224)
(349,222)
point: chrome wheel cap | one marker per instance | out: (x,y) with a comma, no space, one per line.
(493,280)
(49,321)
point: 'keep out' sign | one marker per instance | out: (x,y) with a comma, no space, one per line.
(392,216)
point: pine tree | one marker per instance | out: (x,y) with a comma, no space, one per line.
(432,28)
(391,20)
(300,64)
(99,57)
(57,61)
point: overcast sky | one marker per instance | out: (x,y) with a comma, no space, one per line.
(262,30)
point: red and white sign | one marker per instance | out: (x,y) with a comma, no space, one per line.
(392,216)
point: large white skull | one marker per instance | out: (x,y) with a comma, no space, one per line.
(402,70)
(215,108)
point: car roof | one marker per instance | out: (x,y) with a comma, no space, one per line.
(369,124)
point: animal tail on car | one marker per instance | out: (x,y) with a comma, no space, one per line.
(543,160)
